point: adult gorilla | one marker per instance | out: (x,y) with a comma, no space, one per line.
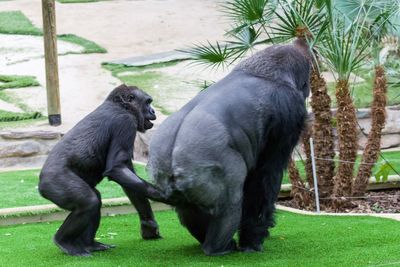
(220,159)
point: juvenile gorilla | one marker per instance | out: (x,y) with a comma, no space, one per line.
(99,145)
(220,159)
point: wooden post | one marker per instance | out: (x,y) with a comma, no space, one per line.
(51,62)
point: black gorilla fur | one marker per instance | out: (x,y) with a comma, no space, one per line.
(220,159)
(100,145)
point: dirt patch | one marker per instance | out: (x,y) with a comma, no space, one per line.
(386,201)
(9,107)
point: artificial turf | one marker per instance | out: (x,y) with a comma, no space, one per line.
(25,184)
(20,188)
(15,22)
(297,240)
(17,81)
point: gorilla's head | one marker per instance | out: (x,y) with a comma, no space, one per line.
(285,64)
(136,102)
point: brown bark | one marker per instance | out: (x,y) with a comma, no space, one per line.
(322,132)
(371,151)
(299,193)
(347,137)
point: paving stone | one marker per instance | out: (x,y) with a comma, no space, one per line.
(24,149)
(152,59)
(44,135)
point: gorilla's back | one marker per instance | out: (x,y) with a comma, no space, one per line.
(223,116)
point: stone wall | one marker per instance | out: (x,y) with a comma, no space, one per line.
(391,132)
(26,149)
(29,149)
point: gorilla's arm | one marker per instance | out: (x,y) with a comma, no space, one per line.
(119,164)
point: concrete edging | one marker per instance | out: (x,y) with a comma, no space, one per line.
(50,212)
(393,216)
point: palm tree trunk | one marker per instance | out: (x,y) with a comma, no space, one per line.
(322,133)
(322,130)
(300,195)
(371,151)
(347,137)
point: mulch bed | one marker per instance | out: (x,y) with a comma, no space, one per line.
(387,201)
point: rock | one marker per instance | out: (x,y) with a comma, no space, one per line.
(364,113)
(24,149)
(392,122)
(387,141)
(43,135)
(34,162)
(142,141)
(152,59)
(390,140)
(141,149)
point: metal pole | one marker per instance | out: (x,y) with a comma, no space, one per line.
(314,175)
(51,62)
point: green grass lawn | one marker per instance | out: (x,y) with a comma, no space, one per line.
(7,116)
(297,240)
(25,183)
(15,22)
(17,81)
(10,119)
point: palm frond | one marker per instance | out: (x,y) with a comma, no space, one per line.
(248,11)
(211,55)
(298,19)
(344,46)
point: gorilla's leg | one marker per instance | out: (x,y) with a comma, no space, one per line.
(88,237)
(70,192)
(260,193)
(195,220)
(148,225)
(220,231)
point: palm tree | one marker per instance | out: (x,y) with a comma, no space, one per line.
(295,20)
(380,24)
(302,20)
(343,48)
(339,41)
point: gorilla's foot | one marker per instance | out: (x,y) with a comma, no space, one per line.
(71,249)
(210,251)
(251,248)
(97,246)
(149,230)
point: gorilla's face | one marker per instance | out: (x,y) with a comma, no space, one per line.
(148,112)
(136,102)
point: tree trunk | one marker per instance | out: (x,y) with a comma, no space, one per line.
(347,137)
(301,197)
(322,133)
(371,151)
